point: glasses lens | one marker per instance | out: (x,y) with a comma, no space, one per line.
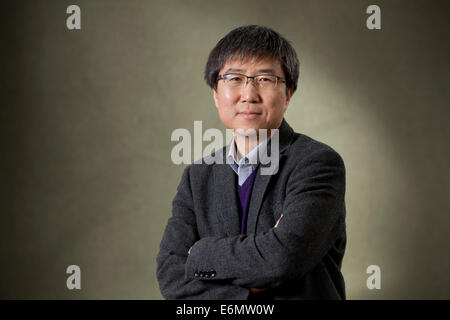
(266,81)
(234,80)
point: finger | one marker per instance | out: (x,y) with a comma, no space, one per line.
(276,224)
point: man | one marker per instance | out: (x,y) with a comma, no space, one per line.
(236,233)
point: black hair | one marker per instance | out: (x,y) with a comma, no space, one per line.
(253,41)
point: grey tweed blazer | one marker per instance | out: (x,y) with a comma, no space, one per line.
(300,259)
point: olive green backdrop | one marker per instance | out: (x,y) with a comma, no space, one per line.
(87,115)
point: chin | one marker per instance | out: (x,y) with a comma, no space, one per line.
(247,129)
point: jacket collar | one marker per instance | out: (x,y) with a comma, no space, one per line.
(225,195)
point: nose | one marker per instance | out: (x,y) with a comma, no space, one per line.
(249,93)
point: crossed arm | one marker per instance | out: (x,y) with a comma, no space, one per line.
(313,216)
(180,234)
(253,290)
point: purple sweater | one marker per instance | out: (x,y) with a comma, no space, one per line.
(245,192)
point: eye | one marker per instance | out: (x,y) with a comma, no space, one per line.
(266,79)
(234,78)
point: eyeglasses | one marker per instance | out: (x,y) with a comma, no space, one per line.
(263,81)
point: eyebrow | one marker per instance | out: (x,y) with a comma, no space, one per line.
(231,70)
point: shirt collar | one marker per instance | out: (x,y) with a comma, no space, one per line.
(234,158)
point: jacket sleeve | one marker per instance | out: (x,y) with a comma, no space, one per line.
(180,234)
(313,219)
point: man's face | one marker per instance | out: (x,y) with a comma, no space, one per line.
(249,107)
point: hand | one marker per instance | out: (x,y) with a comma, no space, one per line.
(189,251)
(256,290)
(276,224)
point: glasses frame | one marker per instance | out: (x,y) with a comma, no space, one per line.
(223,77)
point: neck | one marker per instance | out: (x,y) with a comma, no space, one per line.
(246,143)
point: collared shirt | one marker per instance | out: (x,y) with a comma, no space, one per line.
(244,166)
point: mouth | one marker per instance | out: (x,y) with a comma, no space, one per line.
(249,114)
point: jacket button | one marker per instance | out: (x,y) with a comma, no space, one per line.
(196,275)
(213,274)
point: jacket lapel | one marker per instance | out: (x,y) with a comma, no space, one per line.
(225,194)
(259,188)
(225,198)
(262,181)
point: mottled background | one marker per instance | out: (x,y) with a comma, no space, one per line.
(86,120)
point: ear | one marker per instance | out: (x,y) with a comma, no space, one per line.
(288,97)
